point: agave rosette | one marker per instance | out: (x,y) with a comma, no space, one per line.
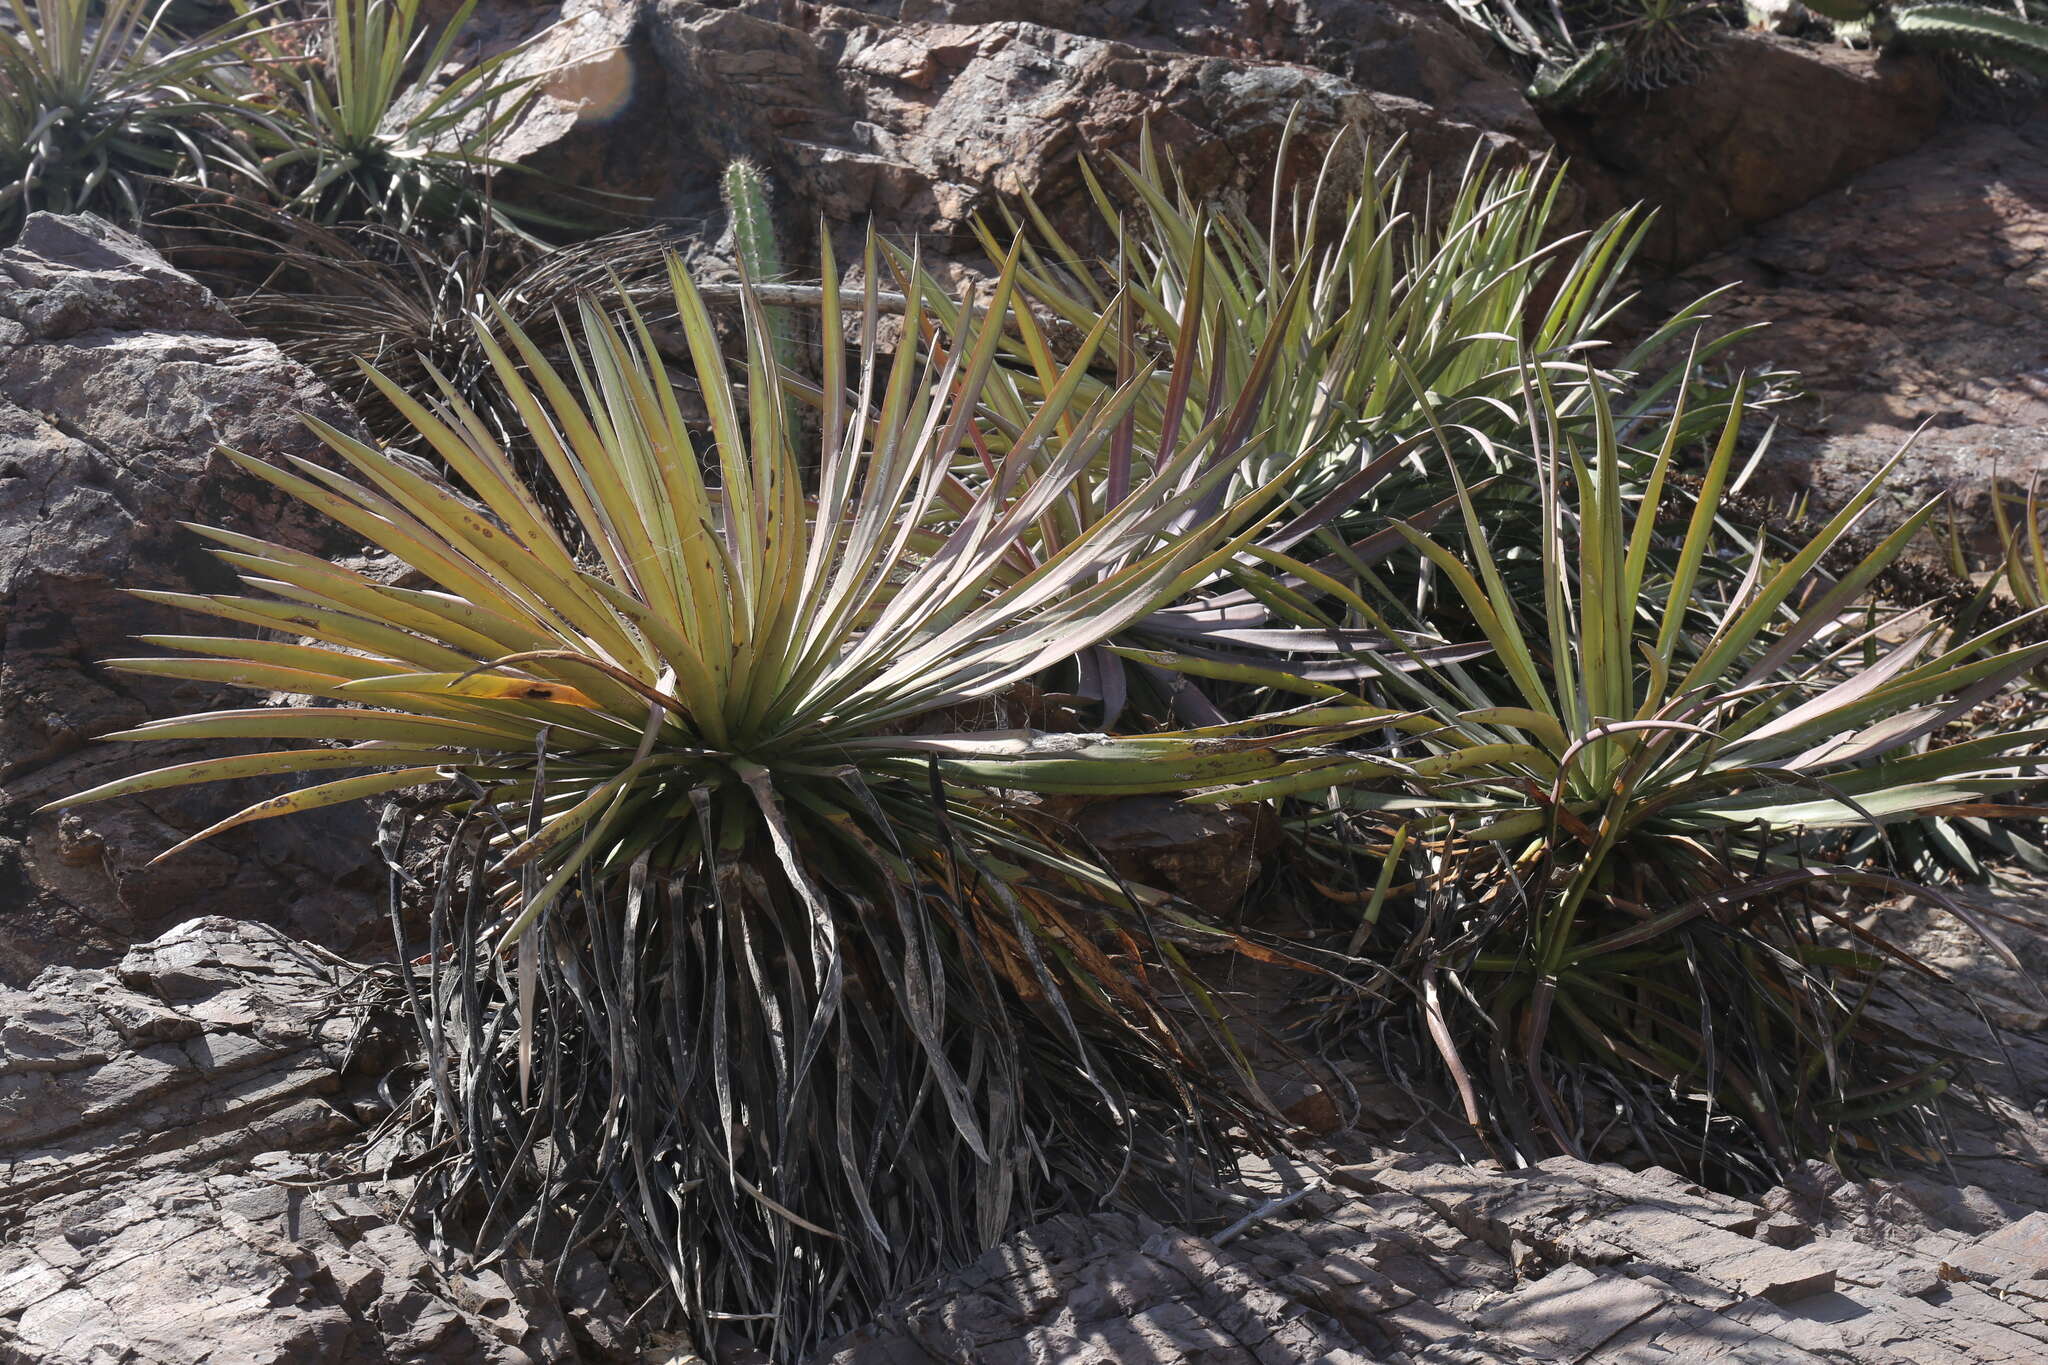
(1669,758)
(721,715)
(370,126)
(98,101)
(1380,322)
(1214,618)
(1782,703)
(817,624)
(1364,338)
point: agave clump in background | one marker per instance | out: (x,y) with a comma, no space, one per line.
(1391,309)
(100,103)
(360,121)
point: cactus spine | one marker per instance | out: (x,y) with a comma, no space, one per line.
(753,237)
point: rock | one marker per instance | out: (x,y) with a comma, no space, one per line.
(1903,1212)
(215,1039)
(1913,299)
(1771,124)
(163,1192)
(1573,1311)
(1580,1263)
(600,142)
(1207,854)
(118,378)
(918,116)
(1413,52)
(2018,1251)
(920,126)
(1992,1016)
(1094,1291)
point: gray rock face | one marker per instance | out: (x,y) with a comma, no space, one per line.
(924,124)
(602,121)
(118,378)
(918,116)
(166,1202)
(165,1205)
(1996,1014)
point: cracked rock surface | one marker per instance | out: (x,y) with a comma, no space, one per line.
(1417,1260)
(164,1201)
(1377,1248)
(919,114)
(119,377)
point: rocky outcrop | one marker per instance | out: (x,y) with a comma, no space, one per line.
(118,379)
(919,116)
(165,1201)
(169,1198)
(1916,297)
(1387,1250)
(1992,1012)
(215,1041)
(920,125)
(599,141)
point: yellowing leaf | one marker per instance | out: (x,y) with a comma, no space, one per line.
(487,686)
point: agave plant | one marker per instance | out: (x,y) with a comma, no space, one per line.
(1214,619)
(812,991)
(364,123)
(1385,347)
(97,101)
(1578,51)
(2014,592)
(1624,911)
(1400,318)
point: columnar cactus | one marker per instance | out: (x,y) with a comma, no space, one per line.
(2001,39)
(745,186)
